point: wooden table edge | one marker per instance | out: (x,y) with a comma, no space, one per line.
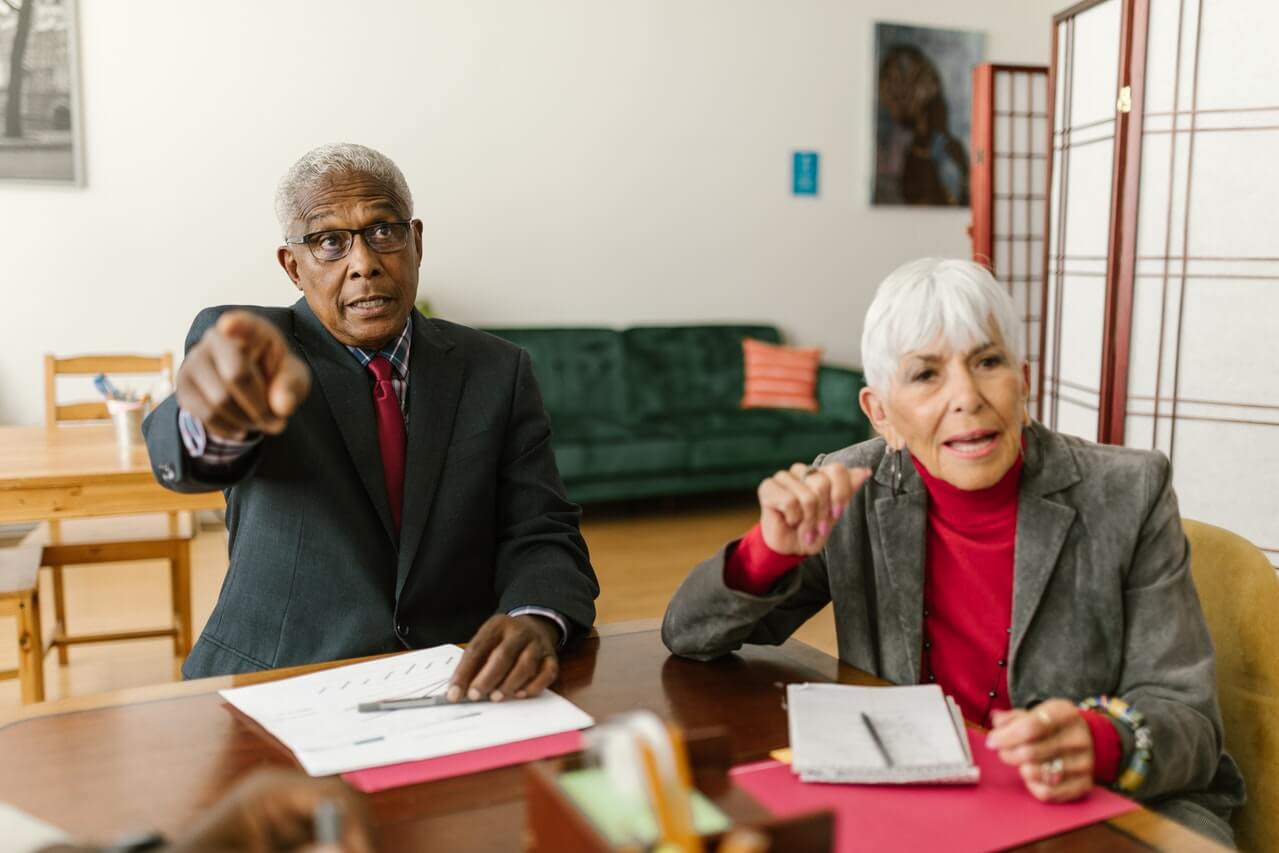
(1145,826)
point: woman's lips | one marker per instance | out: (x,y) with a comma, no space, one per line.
(973,445)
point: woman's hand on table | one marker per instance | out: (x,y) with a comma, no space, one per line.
(1050,745)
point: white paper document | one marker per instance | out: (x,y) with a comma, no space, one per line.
(845,733)
(316,715)
(22,833)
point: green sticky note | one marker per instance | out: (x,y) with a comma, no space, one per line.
(620,822)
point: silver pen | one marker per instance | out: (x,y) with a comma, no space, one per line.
(416,702)
(326,822)
(879,744)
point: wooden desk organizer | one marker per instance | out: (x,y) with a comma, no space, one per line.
(554,824)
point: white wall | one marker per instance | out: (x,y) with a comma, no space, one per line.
(575,161)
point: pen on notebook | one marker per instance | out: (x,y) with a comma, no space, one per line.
(879,744)
(326,822)
(416,702)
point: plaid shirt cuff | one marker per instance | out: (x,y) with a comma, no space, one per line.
(546,613)
(209,448)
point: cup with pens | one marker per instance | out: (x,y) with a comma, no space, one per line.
(642,785)
(127,409)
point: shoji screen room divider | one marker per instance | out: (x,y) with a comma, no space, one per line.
(1161,286)
(1006,180)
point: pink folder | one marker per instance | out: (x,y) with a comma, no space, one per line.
(995,813)
(430,769)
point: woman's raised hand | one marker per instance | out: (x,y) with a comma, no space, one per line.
(798,507)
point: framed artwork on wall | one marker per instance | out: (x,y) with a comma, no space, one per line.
(923,114)
(40,128)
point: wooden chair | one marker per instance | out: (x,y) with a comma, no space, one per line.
(20,598)
(1240,595)
(114,539)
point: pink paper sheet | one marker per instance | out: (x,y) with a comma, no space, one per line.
(995,813)
(430,769)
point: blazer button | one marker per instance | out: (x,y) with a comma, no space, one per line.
(402,629)
(167,474)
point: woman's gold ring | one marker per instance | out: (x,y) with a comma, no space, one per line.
(1045,719)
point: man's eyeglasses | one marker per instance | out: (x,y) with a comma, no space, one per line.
(336,243)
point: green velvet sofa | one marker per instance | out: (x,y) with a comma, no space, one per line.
(654,410)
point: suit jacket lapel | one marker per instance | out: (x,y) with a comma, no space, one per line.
(435,385)
(1042,524)
(902,518)
(346,388)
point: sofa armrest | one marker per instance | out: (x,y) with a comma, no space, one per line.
(837,390)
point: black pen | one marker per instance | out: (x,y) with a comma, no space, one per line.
(879,744)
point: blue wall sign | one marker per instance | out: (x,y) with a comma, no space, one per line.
(804,172)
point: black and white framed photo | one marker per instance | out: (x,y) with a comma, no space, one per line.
(40,123)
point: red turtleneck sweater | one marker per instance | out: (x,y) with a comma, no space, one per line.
(968,596)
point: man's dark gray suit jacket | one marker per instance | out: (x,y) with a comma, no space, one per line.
(316,570)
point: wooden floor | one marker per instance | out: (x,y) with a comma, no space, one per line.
(641,552)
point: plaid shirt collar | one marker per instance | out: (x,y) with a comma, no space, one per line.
(396,352)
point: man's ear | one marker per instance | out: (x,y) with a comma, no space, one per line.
(417,240)
(289,263)
(873,407)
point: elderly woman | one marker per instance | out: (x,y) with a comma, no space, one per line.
(1041,580)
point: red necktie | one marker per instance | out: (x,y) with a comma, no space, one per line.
(390,434)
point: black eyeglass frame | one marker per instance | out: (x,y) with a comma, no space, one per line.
(309,239)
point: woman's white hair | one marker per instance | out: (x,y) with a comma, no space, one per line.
(337,158)
(922,301)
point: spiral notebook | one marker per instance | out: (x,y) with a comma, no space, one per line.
(878,735)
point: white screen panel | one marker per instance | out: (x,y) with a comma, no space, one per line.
(1237,65)
(1233,193)
(1075,373)
(1222,487)
(1096,67)
(1088,193)
(1076,420)
(1161,56)
(1228,347)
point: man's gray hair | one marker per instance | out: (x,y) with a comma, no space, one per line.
(336,158)
(922,301)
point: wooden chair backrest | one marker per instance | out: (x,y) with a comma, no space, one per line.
(91,365)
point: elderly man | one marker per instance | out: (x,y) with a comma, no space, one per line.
(390,481)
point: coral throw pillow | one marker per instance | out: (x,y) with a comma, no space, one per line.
(779,377)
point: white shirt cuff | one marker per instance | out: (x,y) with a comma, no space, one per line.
(547,613)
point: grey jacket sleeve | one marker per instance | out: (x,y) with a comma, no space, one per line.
(172,466)
(1169,671)
(707,619)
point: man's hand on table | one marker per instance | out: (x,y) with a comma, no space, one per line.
(241,378)
(510,656)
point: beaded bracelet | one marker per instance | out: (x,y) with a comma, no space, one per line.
(1139,762)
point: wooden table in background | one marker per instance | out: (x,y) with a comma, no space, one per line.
(151,758)
(77,472)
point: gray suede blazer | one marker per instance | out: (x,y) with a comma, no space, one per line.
(1103,601)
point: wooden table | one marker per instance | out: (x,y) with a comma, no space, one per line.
(153,757)
(76,472)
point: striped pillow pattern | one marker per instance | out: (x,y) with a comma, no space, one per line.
(780,377)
